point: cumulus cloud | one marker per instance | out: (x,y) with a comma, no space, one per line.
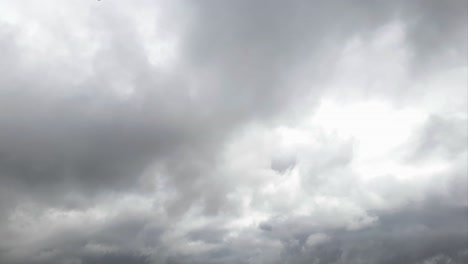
(233,132)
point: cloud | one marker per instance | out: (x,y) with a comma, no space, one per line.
(441,137)
(119,258)
(233,132)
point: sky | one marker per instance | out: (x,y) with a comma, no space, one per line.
(234,132)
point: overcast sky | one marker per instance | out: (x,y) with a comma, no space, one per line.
(233,131)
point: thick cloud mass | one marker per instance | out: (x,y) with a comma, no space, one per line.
(175,132)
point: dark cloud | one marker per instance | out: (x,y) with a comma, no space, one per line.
(84,137)
(207,235)
(436,29)
(117,259)
(441,136)
(412,235)
(281,164)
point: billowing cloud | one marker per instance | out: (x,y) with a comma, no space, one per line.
(233,132)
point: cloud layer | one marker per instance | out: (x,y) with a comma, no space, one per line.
(233,132)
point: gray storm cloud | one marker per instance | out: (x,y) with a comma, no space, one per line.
(222,152)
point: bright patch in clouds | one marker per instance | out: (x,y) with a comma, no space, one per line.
(376,127)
